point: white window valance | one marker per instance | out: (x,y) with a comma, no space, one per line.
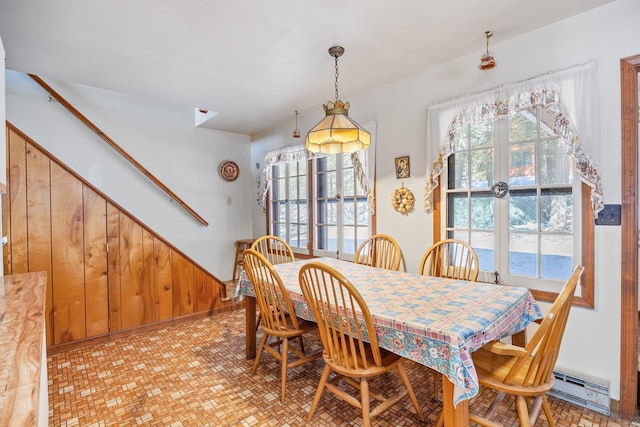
(570,99)
(297,153)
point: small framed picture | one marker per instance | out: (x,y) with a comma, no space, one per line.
(402,167)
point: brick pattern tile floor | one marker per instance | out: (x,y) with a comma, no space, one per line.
(196,374)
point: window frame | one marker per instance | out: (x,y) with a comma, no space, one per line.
(357,196)
(287,188)
(587,297)
(311,209)
(486,150)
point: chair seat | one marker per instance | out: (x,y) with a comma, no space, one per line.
(389,360)
(493,368)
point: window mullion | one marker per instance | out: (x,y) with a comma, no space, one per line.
(501,167)
(287,209)
(340,205)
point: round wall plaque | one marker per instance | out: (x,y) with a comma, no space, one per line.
(228,170)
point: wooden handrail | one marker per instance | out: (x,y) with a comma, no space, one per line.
(115,146)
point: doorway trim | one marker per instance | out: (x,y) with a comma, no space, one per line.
(629,69)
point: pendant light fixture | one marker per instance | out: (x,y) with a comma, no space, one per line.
(296,131)
(487,61)
(337,132)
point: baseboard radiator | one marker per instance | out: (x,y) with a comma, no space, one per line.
(584,390)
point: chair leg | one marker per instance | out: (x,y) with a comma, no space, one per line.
(321,385)
(259,355)
(494,405)
(523,411)
(301,344)
(547,411)
(534,409)
(284,362)
(405,380)
(364,401)
(440,420)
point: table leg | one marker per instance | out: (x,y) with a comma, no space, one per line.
(519,338)
(457,416)
(250,326)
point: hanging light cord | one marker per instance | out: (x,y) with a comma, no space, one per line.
(336,57)
(488,34)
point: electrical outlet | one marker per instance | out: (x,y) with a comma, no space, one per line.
(610,215)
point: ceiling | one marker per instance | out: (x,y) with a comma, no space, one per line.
(254,62)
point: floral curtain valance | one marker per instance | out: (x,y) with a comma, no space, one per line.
(570,100)
(297,153)
(282,156)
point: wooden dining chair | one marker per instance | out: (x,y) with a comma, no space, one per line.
(380,251)
(274,249)
(334,302)
(526,373)
(450,258)
(278,316)
(454,259)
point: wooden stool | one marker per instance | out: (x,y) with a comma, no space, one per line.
(241,245)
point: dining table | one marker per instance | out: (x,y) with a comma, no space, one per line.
(437,322)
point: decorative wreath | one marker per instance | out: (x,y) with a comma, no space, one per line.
(402,200)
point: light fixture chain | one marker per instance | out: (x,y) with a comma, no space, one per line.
(336,78)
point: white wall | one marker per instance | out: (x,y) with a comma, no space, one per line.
(592,340)
(164,140)
(3,152)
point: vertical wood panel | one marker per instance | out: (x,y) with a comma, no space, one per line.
(148,277)
(39,225)
(18,198)
(6,230)
(6,217)
(6,209)
(67,256)
(183,295)
(95,262)
(131,273)
(113,267)
(206,290)
(163,281)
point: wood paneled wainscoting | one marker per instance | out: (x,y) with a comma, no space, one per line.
(107,274)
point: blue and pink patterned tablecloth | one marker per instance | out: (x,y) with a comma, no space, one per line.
(434,321)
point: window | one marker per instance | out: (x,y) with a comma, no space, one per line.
(341,219)
(327,192)
(288,215)
(531,236)
(512,134)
